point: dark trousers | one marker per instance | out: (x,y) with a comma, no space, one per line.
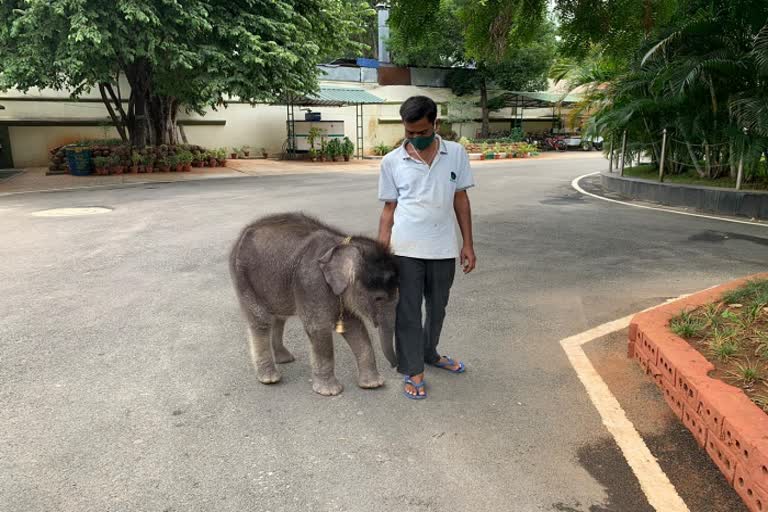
(421,281)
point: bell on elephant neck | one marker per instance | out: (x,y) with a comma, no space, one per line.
(340,327)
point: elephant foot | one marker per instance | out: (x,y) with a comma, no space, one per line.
(370,380)
(327,387)
(268,375)
(282,356)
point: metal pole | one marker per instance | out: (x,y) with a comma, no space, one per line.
(610,157)
(663,152)
(623,152)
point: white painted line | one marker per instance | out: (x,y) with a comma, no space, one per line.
(660,492)
(575,185)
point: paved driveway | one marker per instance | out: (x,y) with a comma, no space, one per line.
(126,383)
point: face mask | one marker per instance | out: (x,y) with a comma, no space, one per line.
(422,142)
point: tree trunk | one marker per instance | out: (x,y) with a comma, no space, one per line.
(139,77)
(119,122)
(485,127)
(163,111)
(694,160)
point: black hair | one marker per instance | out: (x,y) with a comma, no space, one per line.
(380,270)
(418,107)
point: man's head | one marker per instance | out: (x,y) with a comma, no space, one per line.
(419,114)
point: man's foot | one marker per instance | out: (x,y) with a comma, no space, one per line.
(414,387)
(446,363)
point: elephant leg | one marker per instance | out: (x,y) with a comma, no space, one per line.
(357,337)
(323,378)
(282,354)
(261,354)
(259,327)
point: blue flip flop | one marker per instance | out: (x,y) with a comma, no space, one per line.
(447,365)
(418,386)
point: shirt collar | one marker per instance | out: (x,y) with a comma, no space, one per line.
(404,152)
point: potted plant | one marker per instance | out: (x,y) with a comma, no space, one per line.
(264,153)
(323,148)
(334,149)
(196,159)
(347,149)
(177,164)
(246,151)
(116,165)
(135,162)
(234,153)
(210,158)
(313,154)
(221,157)
(101,164)
(313,135)
(149,163)
(497,151)
(489,155)
(162,163)
(185,157)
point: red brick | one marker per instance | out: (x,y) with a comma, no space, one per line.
(673,398)
(648,346)
(696,425)
(755,498)
(667,370)
(721,455)
(687,388)
(708,409)
(736,441)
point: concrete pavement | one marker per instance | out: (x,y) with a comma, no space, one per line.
(127,384)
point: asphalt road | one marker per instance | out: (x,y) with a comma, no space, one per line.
(125,382)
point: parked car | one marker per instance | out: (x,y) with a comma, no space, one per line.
(584,143)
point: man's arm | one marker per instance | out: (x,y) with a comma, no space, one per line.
(386,222)
(464,215)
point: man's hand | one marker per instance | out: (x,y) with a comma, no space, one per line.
(468,259)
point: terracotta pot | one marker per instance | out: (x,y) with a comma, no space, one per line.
(265,155)
(165,168)
(101,171)
(212,163)
(346,158)
(187,167)
(222,163)
(197,163)
(134,169)
(180,168)
(119,169)
(247,153)
(482,156)
(149,169)
(233,156)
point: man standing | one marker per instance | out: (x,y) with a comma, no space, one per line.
(423,184)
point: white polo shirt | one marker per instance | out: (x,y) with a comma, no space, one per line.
(425,223)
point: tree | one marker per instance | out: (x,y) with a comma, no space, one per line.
(702,77)
(194,55)
(495,43)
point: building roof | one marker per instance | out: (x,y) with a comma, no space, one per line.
(539,99)
(336,97)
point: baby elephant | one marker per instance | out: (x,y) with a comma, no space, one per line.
(292,264)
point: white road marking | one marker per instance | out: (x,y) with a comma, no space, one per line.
(659,491)
(72,212)
(575,185)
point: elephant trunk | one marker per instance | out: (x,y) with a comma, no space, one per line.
(387,339)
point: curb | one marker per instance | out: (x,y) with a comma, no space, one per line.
(722,419)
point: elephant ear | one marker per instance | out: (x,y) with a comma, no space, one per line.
(338,266)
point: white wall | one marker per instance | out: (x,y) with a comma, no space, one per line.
(257,126)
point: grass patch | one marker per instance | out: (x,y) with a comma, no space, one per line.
(733,335)
(651,172)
